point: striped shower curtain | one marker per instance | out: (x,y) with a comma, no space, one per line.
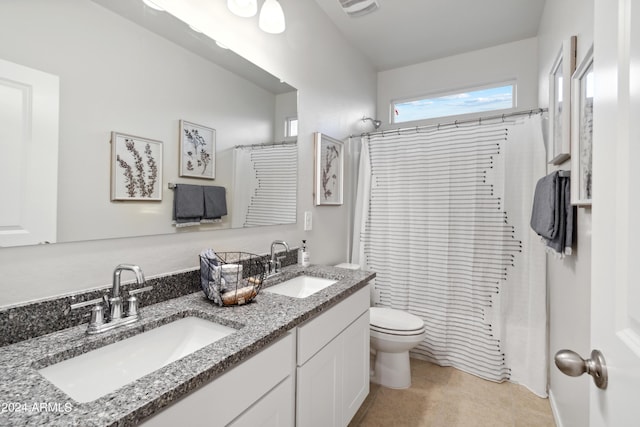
(442,218)
(265,184)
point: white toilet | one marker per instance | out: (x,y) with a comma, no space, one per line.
(392,334)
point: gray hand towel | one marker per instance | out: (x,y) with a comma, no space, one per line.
(557,242)
(545,215)
(215,202)
(188,204)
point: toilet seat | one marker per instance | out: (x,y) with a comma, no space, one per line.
(394,322)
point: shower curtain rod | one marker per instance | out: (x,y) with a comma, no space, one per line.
(455,123)
(267,144)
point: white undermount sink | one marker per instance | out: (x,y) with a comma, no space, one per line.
(94,374)
(300,286)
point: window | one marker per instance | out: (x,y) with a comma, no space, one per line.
(291,127)
(487,98)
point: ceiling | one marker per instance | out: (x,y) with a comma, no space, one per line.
(406,32)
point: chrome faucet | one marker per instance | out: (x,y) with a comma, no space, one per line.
(274,264)
(115,302)
(101,323)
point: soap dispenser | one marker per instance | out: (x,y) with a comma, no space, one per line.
(303,255)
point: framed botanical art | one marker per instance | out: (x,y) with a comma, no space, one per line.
(197,151)
(582,132)
(136,168)
(559,142)
(329,170)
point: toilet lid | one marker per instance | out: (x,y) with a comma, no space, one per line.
(382,318)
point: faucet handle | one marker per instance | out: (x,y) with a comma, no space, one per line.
(132,301)
(140,290)
(132,306)
(97,316)
(85,303)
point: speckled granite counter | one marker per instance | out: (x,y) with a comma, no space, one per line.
(26,398)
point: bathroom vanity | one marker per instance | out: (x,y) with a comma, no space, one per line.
(289,361)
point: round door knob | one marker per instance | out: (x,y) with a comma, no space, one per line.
(570,363)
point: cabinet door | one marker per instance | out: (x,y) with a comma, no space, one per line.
(319,394)
(355,362)
(275,409)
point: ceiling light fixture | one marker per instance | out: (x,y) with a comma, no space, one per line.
(243,8)
(271,19)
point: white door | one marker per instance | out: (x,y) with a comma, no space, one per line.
(615,295)
(28,155)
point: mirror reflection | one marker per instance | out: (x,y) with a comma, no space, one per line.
(119,66)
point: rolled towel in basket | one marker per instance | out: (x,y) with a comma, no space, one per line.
(210,276)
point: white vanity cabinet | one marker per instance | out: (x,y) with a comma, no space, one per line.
(316,375)
(258,392)
(332,377)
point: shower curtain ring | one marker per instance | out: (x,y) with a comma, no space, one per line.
(503,118)
(456,123)
(530,113)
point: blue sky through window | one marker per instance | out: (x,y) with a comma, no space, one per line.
(496,98)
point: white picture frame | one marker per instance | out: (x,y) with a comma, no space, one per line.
(136,168)
(329,170)
(559,140)
(582,83)
(197,151)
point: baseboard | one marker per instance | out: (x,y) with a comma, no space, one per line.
(554,409)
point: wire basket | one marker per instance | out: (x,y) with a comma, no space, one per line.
(231,278)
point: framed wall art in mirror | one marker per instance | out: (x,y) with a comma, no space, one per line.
(136,168)
(582,132)
(559,142)
(197,151)
(329,170)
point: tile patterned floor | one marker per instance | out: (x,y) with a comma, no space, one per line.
(447,397)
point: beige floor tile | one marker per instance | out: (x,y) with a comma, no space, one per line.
(447,397)
(466,413)
(525,399)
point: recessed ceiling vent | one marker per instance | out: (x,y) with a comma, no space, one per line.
(355,8)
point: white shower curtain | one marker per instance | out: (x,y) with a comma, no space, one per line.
(442,217)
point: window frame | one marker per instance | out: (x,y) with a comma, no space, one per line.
(458,91)
(287,127)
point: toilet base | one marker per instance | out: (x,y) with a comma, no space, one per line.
(392,370)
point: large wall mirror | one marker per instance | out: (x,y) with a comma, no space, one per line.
(120,66)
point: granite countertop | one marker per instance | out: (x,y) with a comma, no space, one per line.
(27,398)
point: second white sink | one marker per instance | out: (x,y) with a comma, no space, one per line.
(300,286)
(94,374)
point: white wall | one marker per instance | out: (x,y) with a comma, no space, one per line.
(569,280)
(336,85)
(511,61)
